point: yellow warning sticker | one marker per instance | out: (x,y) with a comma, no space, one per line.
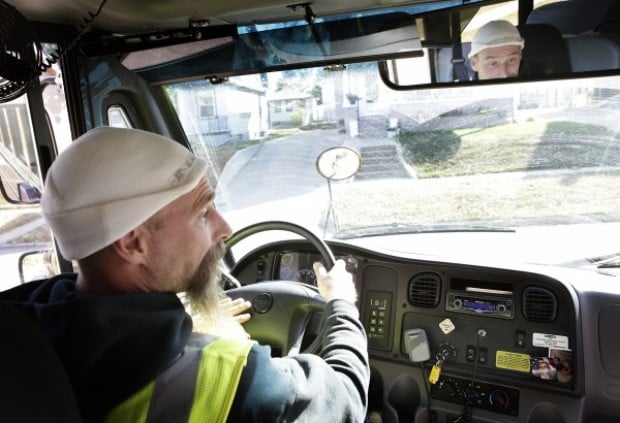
(512,361)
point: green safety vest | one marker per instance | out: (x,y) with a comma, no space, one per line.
(198,387)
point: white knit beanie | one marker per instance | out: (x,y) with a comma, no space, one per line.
(111,180)
(495,34)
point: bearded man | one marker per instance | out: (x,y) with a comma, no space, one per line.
(136,212)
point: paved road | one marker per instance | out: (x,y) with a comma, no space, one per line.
(254,172)
(296,155)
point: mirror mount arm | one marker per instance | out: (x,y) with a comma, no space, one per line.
(309,14)
(310,17)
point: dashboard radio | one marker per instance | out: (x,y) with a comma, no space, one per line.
(480,304)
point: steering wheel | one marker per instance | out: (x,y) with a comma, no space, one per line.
(281,310)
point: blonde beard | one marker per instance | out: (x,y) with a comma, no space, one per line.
(204,300)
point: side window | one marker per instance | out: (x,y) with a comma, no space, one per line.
(26,246)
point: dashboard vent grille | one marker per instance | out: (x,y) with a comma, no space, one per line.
(539,304)
(425,289)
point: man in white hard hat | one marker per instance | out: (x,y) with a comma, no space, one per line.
(496,50)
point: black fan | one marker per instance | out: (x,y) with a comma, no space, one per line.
(20,56)
(21,59)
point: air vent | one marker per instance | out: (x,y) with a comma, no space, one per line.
(424,289)
(539,304)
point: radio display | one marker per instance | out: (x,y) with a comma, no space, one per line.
(501,307)
(479,305)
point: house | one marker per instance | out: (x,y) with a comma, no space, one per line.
(287,108)
(225,112)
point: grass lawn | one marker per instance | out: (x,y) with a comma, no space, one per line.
(489,175)
(508,148)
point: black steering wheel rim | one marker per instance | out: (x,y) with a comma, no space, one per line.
(275,225)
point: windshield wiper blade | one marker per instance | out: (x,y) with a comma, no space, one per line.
(606,262)
(400,229)
(609,265)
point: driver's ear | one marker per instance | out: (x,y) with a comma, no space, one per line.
(133,246)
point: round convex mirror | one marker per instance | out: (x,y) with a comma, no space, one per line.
(338,163)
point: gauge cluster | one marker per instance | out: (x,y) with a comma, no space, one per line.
(296,266)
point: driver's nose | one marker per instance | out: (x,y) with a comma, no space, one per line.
(222,229)
(503,70)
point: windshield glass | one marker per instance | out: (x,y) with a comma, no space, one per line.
(506,158)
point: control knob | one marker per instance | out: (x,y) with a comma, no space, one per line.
(499,399)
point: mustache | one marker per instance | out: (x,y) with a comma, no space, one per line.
(207,274)
(217,252)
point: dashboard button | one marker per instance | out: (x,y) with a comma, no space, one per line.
(520,338)
(470,353)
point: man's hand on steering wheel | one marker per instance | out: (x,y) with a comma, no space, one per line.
(237,308)
(282,309)
(337,284)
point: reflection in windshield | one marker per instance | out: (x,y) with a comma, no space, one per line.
(489,156)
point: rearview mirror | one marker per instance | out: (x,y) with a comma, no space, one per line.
(578,56)
(537,50)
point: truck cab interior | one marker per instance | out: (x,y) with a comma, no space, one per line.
(480,218)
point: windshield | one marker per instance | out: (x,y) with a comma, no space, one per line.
(525,158)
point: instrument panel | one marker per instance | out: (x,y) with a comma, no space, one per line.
(295,266)
(514,333)
(298,266)
(525,329)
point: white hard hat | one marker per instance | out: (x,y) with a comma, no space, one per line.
(495,34)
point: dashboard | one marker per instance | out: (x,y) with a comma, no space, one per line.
(510,343)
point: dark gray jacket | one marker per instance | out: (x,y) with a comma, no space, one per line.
(111,346)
